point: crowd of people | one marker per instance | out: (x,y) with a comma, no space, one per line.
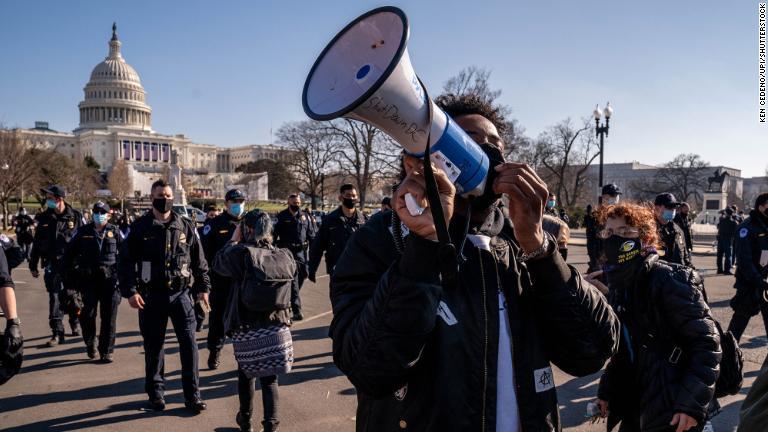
(447,331)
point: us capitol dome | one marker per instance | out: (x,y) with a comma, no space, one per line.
(114,95)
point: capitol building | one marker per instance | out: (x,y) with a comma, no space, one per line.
(116,124)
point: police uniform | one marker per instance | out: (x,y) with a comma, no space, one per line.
(91,263)
(332,238)
(24,224)
(158,260)
(726,234)
(673,244)
(215,234)
(295,233)
(751,273)
(53,233)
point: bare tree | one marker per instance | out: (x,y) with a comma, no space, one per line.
(473,80)
(364,153)
(685,176)
(20,163)
(315,153)
(563,154)
(119,182)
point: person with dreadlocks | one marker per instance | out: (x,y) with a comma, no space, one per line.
(470,350)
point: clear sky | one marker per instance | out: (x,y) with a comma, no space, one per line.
(681,75)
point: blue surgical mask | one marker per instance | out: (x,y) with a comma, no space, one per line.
(612,201)
(100,218)
(50,203)
(668,214)
(236,209)
(551,204)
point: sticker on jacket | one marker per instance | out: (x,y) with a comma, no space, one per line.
(543,379)
(743,233)
(446,314)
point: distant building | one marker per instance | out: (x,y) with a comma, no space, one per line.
(116,123)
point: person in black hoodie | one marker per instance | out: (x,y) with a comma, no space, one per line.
(663,377)
(471,350)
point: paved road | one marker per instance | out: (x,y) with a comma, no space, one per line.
(59,389)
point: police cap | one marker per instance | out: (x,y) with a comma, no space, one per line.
(100,206)
(666,199)
(234,194)
(55,190)
(611,189)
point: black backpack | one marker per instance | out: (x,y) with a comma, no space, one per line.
(267,284)
(731,376)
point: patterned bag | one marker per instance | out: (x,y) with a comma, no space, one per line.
(263,352)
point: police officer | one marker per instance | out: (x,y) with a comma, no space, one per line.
(683,220)
(91,263)
(336,228)
(752,272)
(550,207)
(155,266)
(23,224)
(11,341)
(610,194)
(55,228)
(215,234)
(294,231)
(727,227)
(672,238)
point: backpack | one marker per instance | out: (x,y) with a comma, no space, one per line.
(267,283)
(731,376)
(13,253)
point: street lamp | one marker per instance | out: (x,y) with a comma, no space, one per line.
(602,132)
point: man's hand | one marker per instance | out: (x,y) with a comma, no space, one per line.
(527,195)
(415,184)
(136,301)
(683,422)
(35,273)
(203,297)
(11,351)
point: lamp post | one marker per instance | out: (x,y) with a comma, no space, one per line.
(602,131)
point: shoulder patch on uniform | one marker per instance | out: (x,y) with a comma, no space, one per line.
(182,238)
(206,229)
(445,313)
(743,232)
(110,234)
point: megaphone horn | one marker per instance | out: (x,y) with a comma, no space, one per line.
(365,74)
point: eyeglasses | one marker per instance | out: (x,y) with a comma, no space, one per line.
(625,231)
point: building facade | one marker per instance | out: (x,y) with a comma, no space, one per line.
(116,124)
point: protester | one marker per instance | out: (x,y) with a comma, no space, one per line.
(663,377)
(672,247)
(551,205)
(470,350)
(683,220)
(386,204)
(156,265)
(610,195)
(11,341)
(336,229)
(751,283)
(258,313)
(558,229)
(55,228)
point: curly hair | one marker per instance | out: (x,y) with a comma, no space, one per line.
(458,105)
(638,216)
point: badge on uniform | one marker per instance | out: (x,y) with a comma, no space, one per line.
(206,229)
(182,238)
(70,224)
(110,234)
(303,218)
(743,232)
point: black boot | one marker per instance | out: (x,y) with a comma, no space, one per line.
(270,426)
(214,359)
(91,351)
(243,420)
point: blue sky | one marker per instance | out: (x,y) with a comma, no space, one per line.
(682,75)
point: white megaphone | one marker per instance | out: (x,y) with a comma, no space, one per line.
(365,74)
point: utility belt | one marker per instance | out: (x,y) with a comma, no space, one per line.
(175,284)
(295,247)
(105,271)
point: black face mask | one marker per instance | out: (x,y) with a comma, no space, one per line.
(621,250)
(349,203)
(294,208)
(163,205)
(488,197)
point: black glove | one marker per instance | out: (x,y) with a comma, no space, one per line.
(11,350)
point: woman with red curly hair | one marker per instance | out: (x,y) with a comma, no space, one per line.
(663,377)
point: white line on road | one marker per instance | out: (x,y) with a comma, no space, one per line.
(304,321)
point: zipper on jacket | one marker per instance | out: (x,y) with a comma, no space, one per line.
(485,350)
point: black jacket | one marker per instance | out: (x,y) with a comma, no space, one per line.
(668,303)
(423,354)
(685,225)
(5,271)
(332,238)
(53,233)
(673,244)
(162,257)
(214,236)
(90,254)
(751,244)
(294,232)
(726,228)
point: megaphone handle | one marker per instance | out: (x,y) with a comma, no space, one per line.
(433,196)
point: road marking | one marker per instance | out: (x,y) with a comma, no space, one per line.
(306,320)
